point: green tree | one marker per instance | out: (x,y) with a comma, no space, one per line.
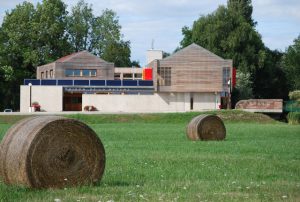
(49,27)
(242,8)
(291,64)
(228,35)
(106,30)
(244,85)
(18,56)
(135,63)
(100,35)
(29,37)
(119,53)
(80,26)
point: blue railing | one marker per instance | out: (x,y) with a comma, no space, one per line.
(65,82)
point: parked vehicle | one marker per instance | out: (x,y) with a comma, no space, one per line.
(8,110)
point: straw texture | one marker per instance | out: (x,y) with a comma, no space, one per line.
(51,152)
(206,127)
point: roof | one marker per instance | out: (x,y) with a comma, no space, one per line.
(196,48)
(68,57)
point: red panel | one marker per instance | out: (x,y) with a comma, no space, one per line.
(147,74)
(233,77)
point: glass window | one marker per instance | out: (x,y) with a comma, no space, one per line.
(93,72)
(165,74)
(77,72)
(226,76)
(42,75)
(85,72)
(46,74)
(69,72)
(51,73)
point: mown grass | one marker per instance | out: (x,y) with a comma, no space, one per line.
(152,160)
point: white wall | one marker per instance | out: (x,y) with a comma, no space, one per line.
(49,97)
(158,102)
(203,101)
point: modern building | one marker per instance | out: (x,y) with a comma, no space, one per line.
(192,79)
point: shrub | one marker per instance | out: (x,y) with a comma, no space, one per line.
(90,108)
(295,95)
(294,118)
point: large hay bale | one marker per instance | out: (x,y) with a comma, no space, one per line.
(206,127)
(51,151)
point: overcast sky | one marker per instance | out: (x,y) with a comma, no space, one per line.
(162,20)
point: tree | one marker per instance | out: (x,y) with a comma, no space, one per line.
(49,27)
(242,8)
(18,56)
(291,64)
(80,26)
(119,53)
(106,30)
(228,35)
(135,63)
(100,35)
(29,37)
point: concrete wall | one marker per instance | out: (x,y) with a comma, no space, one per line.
(49,97)
(158,102)
(153,55)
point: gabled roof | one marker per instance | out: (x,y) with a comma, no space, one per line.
(68,57)
(77,57)
(196,49)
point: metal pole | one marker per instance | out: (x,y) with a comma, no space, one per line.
(229,96)
(30,92)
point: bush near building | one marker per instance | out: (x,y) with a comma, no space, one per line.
(294,118)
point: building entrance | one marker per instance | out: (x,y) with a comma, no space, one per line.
(72,102)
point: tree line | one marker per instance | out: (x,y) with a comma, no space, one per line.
(230,33)
(35,35)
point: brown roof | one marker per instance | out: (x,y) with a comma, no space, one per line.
(67,57)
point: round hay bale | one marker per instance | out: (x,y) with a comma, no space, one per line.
(206,127)
(51,152)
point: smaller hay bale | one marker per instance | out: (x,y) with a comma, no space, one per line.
(206,127)
(51,152)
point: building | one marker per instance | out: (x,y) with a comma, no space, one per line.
(192,79)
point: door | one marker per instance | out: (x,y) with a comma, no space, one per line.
(72,102)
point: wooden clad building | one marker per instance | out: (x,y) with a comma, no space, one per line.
(80,65)
(192,69)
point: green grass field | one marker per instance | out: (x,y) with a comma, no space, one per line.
(149,158)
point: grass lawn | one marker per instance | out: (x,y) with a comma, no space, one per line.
(149,158)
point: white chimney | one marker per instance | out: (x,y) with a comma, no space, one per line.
(153,55)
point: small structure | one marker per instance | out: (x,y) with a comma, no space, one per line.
(192,79)
(261,105)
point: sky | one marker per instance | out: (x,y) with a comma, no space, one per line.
(161,21)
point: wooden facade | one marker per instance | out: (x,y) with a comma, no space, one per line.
(192,69)
(84,64)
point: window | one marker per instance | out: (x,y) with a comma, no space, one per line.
(42,75)
(226,76)
(46,74)
(85,72)
(80,72)
(93,72)
(69,72)
(51,73)
(138,76)
(117,76)
(77,72)
(165,76)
